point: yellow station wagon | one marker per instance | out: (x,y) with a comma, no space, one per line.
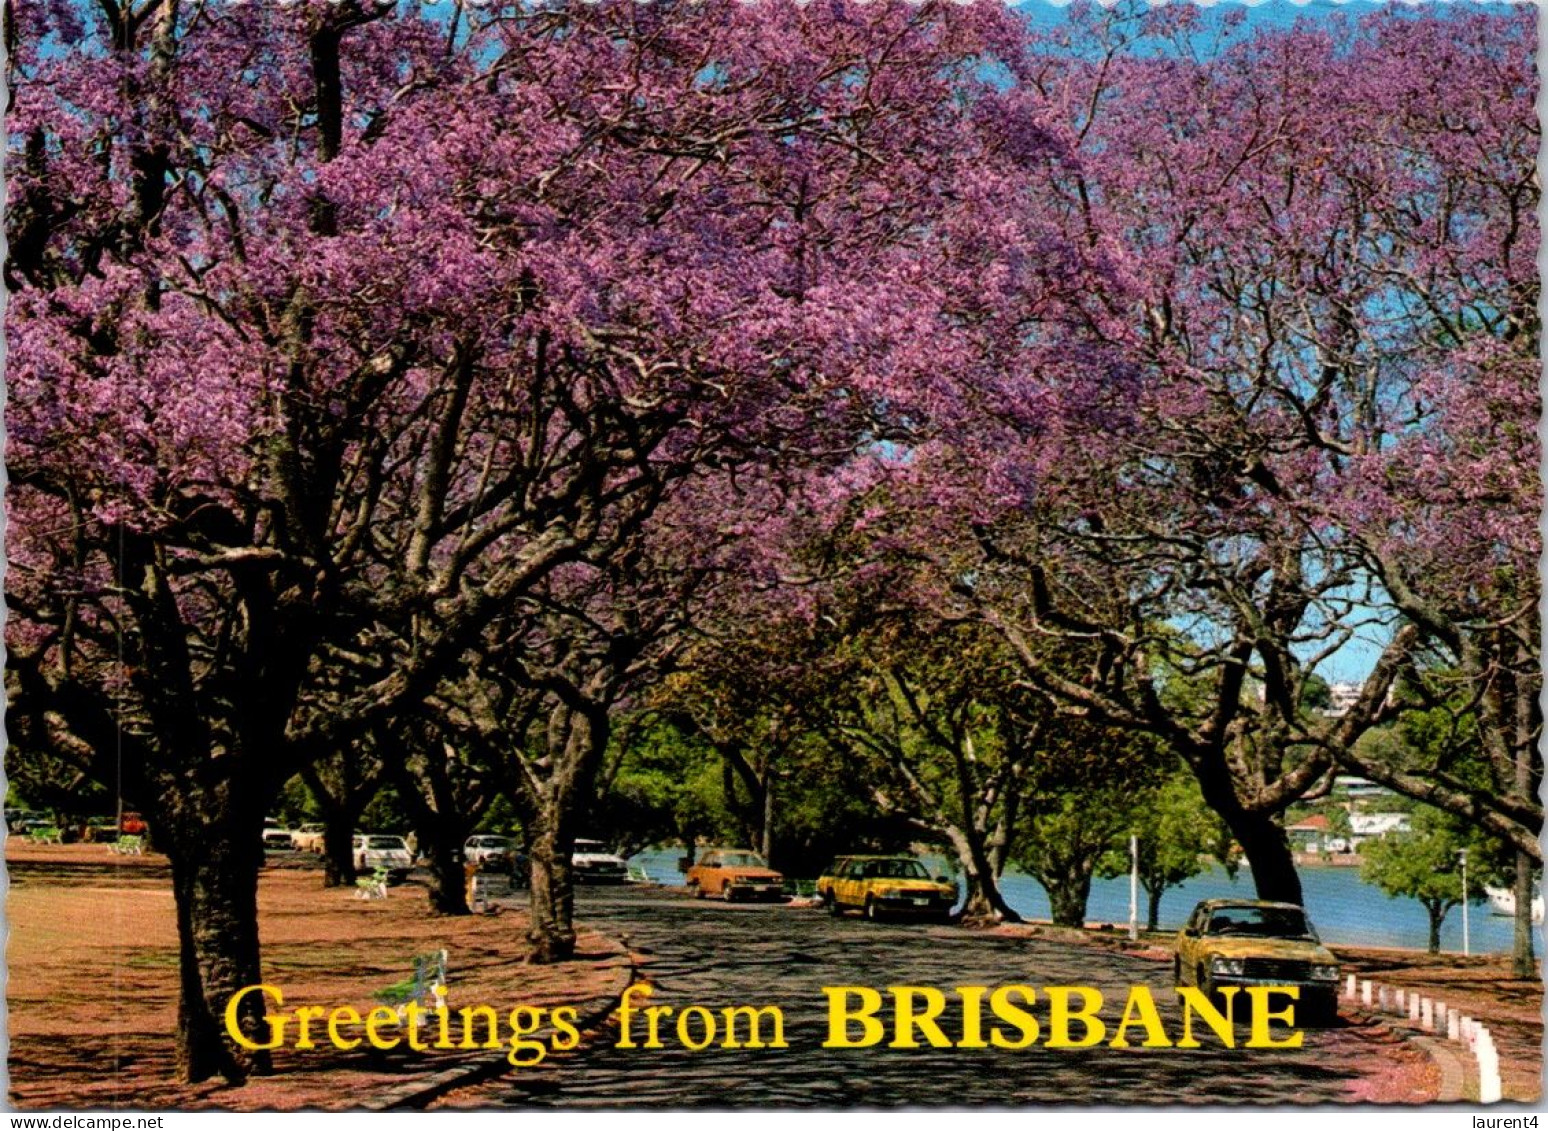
(1243,942)
(882,886)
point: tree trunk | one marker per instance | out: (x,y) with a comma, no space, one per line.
(1267,849)
(552,929)
(448,883)
(1153,916)
(339,848)
(1523,961)
(215,856)
(1067,896)
(984,903)
(766,842)
(577,740)
(1262,838)
(1437,917)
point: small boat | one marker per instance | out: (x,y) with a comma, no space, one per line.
(1502,901)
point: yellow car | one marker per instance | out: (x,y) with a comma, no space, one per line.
(881,886)
(1245,942)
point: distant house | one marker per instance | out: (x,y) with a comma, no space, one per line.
(1371,826)
(1342,696)
(1360,787)
(1314,834)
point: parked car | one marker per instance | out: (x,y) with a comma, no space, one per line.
(1244,942)
(735,873)
(883,886)
(592,862)
(490,853)
(309,837)
(378,850)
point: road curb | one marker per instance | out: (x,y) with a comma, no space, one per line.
(422,1090)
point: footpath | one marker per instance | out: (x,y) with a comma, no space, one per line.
(93,966)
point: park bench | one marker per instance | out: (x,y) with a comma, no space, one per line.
(129,846)
(426,987)
(48,834)
(373,886)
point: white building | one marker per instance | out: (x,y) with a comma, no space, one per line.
(1368,826)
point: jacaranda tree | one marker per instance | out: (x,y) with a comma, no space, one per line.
(337,330)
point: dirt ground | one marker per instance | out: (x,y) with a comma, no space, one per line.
(93,965)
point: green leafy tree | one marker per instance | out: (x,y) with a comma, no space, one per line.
(1178,833)
(661,783)
(1086,793)
(1424,863)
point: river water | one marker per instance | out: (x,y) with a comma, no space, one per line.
(1344,908)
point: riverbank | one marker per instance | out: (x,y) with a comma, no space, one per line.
(93,981)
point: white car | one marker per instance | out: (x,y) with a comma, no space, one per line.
(592,862)
(309,837)
(375,850)
(484,849)
(275,837)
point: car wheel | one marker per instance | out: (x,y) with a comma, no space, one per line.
(832,905)
(693,886)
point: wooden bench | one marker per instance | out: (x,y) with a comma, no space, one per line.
(128,846)
(373,886)
(426,987)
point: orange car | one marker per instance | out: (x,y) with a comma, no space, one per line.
(735,873)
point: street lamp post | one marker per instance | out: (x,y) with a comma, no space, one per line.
(1467,949)
(1134,887)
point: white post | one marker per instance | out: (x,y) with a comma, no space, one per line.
(1427,1015)
(1453,1024)
(1400,1002)
(1134,887)
(1384,999)
(1467,948)
(1365,991)
(1489,1085)
(1413,1007)
(1349,987)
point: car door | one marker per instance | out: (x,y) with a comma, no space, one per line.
(708,872)
(1188,946)
(850,887)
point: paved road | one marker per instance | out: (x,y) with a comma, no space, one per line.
(718,955)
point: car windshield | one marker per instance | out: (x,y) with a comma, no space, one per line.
(897,870)
(385,842)
(1261,922)
(741,860)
